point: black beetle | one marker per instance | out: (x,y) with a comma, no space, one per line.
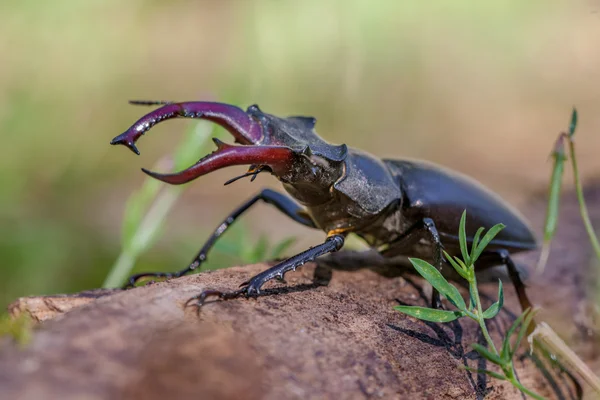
(399,207)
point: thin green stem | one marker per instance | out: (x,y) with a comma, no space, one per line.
(508,368)
(480,318)
(582,206)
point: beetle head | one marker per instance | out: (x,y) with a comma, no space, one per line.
(287,147)
(298,134)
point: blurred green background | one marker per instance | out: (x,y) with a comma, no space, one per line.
(483,87)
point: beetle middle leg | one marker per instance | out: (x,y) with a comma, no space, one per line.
(252,286)
(283,204)
(423,230)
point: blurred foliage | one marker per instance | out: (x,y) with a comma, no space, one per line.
(395,78)
(18,329)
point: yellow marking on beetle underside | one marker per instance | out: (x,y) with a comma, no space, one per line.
(338,231)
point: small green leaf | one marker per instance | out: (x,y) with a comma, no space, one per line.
(436,279)
(461,263)
(429,314)
(488,355)
(487,372)
(280,248)
(522,331)
(476,241)
(462,237)
(495,308)
(506,352)
(461,271)
(489,236)
(573,123)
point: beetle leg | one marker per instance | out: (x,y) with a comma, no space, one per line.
(424,229)
(429,225)
(502,257)
(281,202)
(251,288)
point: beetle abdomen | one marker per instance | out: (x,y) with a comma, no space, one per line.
(432,191)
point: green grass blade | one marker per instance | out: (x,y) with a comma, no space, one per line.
(137,205)
(429,314)
(437,280)
(553,200)
(583,210)
(495,308)
(194,145)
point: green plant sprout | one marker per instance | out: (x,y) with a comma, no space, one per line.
(19,328)
(544,336)
(554,193)
(466,269)
(148,207)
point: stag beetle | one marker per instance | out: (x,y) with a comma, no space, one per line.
(399,207)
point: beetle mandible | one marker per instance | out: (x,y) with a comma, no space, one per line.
(399,207)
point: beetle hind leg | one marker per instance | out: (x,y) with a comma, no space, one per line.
(502,257)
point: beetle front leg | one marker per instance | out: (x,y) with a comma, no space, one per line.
(281,202)
(253,286)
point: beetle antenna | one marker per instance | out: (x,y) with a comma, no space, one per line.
(252,172)
(150,102)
